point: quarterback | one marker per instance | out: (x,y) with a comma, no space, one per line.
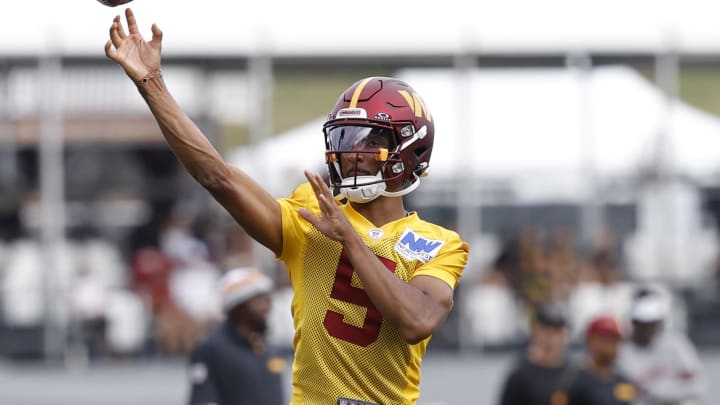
(371,280)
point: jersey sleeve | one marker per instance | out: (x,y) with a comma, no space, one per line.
(448,265)
(293,225)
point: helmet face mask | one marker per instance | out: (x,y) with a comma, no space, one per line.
(354,150)
(382,121)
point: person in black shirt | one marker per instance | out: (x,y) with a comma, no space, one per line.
(233,365)
(539,377)
(598,383)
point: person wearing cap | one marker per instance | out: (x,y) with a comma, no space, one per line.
(599,382)
(233,364)
(662,362)
(539,377)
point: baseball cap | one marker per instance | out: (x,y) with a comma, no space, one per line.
(604,325)
(240,284)
(649,308)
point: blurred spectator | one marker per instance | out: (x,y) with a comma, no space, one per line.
(601,288)
(233,365)
(604,268)
(535,285)
(505,270)
(175,332)
(126,323)
(195,305)
(521,265)
(280,322)
(238,248)
(543,370)
(105,259)
(22,286)
(598,382)
(193,288)
(106,317)
(177,240)
(663,363)
(562,263)
(492,315)
(88,297)
(536,270)
(151,270)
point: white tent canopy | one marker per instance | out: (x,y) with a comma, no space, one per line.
(373,26)
(278,163)
(517,122)
(533,126)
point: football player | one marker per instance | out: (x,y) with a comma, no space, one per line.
(371,280)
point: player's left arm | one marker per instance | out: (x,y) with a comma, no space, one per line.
(416,308)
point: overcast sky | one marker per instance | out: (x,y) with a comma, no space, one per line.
(384,26)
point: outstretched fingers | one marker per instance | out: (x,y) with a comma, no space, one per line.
(116,32)
(322,192)
(121,29)
(132,23)
(326,201)
(157,36)
(110,51)
(318,184)
(306,213)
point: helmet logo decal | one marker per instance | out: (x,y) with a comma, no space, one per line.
(351,113)
(383,116)
(416,104)
(358,90)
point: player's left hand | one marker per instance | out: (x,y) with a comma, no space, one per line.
(331,222)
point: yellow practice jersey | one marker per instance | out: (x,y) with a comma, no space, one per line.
(343,346)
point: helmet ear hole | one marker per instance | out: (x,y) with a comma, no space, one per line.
(420,169)
(421,155)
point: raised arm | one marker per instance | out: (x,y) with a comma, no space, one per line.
(249,204)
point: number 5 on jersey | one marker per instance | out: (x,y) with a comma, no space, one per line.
(343,290)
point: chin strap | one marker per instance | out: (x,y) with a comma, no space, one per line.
(406,190)
(367,193)
(361,194)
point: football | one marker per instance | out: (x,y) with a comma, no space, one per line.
(113,3)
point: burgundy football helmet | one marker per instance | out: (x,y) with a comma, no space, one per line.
(382,118)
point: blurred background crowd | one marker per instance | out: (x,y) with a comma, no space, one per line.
(578,171)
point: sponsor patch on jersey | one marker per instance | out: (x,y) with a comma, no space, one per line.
(415,247)
(376,233)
